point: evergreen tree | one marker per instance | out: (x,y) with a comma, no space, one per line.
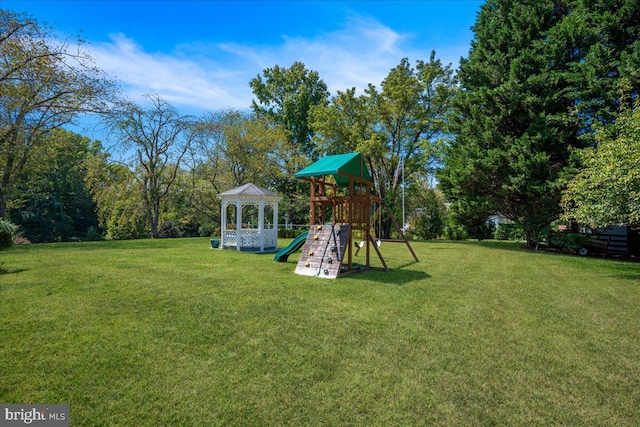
(539,74)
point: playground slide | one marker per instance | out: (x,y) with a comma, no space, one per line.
(283,254)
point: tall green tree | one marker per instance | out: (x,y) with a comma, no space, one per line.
(158,139)
(45,83)
(238,148)
(607,190)
(535,81)
(285,95)
(116,193)
(593,46)
(428,221)
(51,201)
(244,148)
(404,118)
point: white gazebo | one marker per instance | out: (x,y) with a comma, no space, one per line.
(249,219)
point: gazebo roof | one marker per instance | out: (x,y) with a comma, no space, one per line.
(250,190)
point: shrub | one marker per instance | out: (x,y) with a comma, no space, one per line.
(508,232)
(427,225)
(168,230)
(567,242)
(209,230)
(190,226)
(455,232)
(43,219)
(8,231)
(481,231)
(93,234)
(290,234)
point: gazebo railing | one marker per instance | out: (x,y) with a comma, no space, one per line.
(230,237)
(251,238)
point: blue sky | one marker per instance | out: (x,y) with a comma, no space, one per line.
(200,55)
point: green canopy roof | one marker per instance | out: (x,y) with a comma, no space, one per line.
(338,165)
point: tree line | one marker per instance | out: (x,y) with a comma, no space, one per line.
(539,122)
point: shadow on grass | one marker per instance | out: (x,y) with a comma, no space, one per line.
(397,276)
(515,246)
(4,271)
(631,276)
(502,245)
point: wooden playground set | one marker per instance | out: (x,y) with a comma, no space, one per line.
(342,204)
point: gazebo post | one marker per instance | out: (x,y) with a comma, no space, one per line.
(261,224)
(275,221)
(238,224)
(223,224)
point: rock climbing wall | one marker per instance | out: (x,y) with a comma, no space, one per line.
(323,251)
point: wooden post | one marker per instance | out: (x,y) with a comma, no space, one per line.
(312,203)
(350,250)
(368,251)
(370,238)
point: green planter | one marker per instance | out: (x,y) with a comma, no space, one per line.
(215,243)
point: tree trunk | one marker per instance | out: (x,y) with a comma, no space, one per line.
(3,204)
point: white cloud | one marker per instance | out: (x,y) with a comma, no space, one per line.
(181,81)
(202,77)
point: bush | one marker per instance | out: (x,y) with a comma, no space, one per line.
(481,231)
(567,241)
(427,226)
(508,232)
(190,226)
(8,231)
(455,232)
(168,230)
(43,219)
(209,230)
(93,234)
(290,234)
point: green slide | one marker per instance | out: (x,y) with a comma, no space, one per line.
(283,254)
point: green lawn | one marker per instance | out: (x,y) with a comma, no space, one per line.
(172,333)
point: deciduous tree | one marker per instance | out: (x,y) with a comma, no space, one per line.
(156,139)
(51,201)
(405,118)
(607,190)
(117,197)
(244,148)
(285,95)
(45,83)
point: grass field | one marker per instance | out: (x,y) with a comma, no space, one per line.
(172,333)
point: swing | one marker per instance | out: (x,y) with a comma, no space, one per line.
(358,246)
(378,241)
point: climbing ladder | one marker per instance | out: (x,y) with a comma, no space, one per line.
(323,251)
